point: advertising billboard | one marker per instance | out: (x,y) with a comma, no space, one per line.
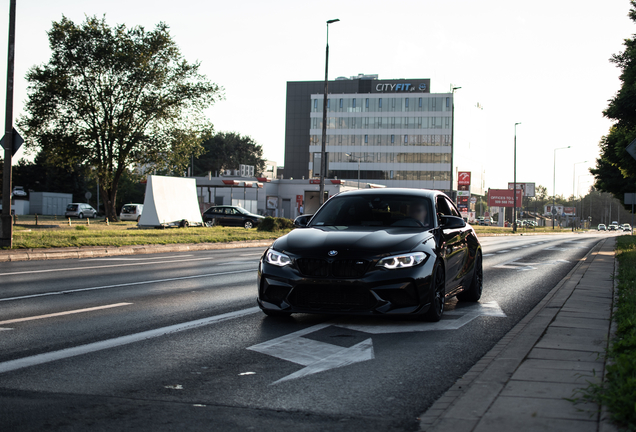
(503,198)
(527,188)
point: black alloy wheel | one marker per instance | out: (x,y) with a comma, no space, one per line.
(436,310)
(473,293)
(248,224)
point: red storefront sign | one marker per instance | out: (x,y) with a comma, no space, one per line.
(503,198)
(463,178)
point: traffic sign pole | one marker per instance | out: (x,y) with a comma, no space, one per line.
(6,234)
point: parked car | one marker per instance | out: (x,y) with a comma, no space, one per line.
(231,216)
(613,227)
(131,212)
(626,227)
(601,227)
(484,221)
(19,191)
(373,252)
(80,210)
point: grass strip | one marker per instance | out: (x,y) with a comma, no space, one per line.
(618,392)
(126,235)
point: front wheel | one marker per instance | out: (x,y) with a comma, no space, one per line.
(210,223)
(473,293)
(436,310)
(248,224)
(81,216)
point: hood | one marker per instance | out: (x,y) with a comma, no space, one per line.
(350,241)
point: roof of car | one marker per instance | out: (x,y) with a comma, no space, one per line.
(429,193)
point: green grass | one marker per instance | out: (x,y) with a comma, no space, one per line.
(126,234)
(618,393)
(521,230)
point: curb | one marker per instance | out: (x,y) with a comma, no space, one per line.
(99,252)
(497,374)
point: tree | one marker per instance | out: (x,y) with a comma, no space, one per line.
(615,170)
(228,150)
(116,99)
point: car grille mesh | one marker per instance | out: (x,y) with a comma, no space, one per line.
(330,297)
(345,268)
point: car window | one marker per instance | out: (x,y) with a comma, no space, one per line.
(452,208)
(375,210)
(71,207)
(229,211)
(442,207)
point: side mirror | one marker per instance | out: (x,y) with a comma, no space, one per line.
(452,222)
(302,220)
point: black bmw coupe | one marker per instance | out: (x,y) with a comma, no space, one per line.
(373,252)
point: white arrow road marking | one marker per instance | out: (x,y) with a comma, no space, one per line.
(316,356)
(525,266)
(466,315)
(319,356)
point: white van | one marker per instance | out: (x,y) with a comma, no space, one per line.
(131,212)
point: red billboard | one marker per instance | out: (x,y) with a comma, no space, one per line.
(463,178)
(503,198)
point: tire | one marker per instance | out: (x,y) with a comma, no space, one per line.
(276,314)
(210,223)
(248,224)
(81,216)
(473,293)
(436,310)
(138,217)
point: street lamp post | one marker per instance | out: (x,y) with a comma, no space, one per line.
(358,158)
(573,183)
(514,188)
(6,228)
(452,138)
(554,182)
(323,162)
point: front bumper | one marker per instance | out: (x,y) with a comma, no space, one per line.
(376,291)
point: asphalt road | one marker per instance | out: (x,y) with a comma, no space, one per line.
(175,342)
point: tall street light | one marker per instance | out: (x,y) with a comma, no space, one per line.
(323,162)
(554,182)
(358,158)
(573,183)
(6,228)
(514,188)
(452,138)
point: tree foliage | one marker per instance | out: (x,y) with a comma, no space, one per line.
(615,170)
(228,150)
(116,98)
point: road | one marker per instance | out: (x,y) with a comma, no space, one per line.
(174,342)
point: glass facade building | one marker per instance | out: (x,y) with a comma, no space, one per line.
(398,131)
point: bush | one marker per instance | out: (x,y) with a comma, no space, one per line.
(271,224)
(81,227)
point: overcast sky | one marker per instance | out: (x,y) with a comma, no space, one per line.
(542,63)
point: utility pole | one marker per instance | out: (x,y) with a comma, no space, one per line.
(6,235)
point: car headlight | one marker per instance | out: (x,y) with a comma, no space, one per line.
(277,258)
(402,261)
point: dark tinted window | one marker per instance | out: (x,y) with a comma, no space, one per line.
(71,207)
(375,210)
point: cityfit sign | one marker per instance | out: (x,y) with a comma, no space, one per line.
(503,198)
(400,87)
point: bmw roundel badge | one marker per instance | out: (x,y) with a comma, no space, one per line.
(332,253)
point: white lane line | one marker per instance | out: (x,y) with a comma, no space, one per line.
(119,341)
(123,285)
(137,259)
(103,266)
(485,255)
(503,251)
(17,320)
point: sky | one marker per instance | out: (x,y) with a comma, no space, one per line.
(543,63)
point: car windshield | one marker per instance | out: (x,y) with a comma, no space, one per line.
(128,209)
(375,210)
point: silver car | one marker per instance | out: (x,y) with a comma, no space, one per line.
(80,210)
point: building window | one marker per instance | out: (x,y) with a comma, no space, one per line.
(340,103)
(315,104)
(366,103)
(406,102)
(354,103)
(392,139)
(419,103)
(406,139)
(380,103)
(353,139)
(366,139)
(447,102)
(328,103)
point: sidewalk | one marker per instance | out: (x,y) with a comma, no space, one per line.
(521,384)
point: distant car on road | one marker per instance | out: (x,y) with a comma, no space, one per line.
(131,212)
(613,227)
(231,216)
(80,210)
(19,191)
(626,227)
(601,227)
(484,221)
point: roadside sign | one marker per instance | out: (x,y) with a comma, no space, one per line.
(473,200)
(17,142)
(630,198)
(554,211)
(463,178)
(631,149)
(486,214)
(503,198)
